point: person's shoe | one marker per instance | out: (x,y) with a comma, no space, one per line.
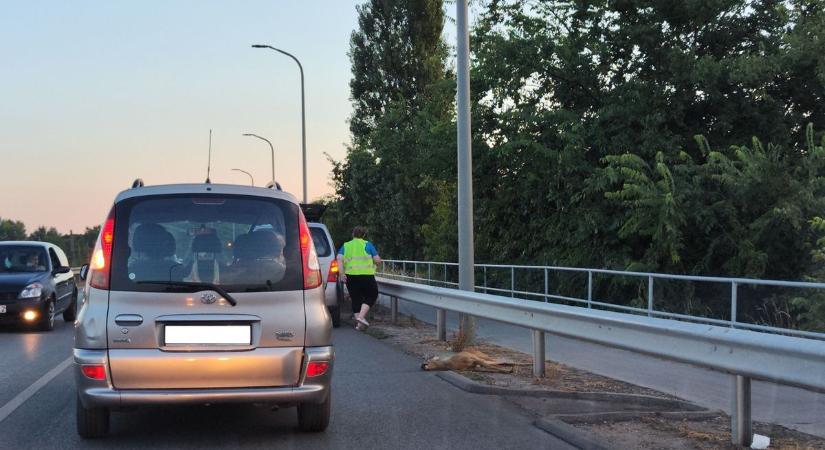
(360,327)
(362,322)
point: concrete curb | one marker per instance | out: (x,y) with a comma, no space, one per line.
(633,415)
(571,435)
(560,425)
(635,399)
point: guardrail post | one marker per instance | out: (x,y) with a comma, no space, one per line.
(733,302)
(429,273)
(740,417)
(485,279)
(441,324)
(445,274)
(512,281)
(589,289)
(546,286)
(538,354)
(649,295)
(394,309)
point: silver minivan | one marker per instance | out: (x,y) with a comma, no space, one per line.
(203,293)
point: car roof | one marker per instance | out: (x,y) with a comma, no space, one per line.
(28,243)
(203,188)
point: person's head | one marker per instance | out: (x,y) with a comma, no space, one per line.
(359,232)
(33,260)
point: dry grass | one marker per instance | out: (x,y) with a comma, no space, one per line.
(459,341)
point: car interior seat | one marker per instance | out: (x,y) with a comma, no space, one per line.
(151,253)
(206,251)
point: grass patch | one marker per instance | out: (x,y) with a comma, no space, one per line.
(377,333)
(475,376)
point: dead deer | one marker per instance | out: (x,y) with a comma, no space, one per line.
(469,359)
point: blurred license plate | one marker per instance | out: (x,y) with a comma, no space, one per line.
(2,309)
(208,334)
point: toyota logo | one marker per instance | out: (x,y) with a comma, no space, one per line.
(209,298)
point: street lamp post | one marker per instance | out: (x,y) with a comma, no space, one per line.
(251,180)
(271,148)
(303,114)
(466,277)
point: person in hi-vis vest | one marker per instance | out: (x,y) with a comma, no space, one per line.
(357,259)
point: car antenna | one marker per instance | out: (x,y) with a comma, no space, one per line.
(209,163)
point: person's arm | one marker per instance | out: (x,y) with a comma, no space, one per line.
(374,253)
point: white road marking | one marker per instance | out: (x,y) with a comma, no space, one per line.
(27,393)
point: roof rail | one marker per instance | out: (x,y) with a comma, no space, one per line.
(137,183)
(274,185)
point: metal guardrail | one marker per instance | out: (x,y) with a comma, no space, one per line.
(745,354)
(423,271)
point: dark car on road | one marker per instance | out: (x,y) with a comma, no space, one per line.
(36,284)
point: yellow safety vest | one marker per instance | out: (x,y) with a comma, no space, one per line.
(356,259)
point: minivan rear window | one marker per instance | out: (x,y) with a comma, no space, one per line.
(241,243)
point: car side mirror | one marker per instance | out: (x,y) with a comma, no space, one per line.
(84,271)
(61,269)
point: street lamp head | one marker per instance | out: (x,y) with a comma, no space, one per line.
(248,134)
(259,46)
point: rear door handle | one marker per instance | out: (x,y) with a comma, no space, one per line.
(128,320)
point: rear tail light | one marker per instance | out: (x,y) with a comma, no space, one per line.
(94,371)
(312,270)
(333,272)
(100,265)
(317,368)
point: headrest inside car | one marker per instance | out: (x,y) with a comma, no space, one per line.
(206,243)
(153,240)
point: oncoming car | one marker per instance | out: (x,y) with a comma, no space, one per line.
(36,284)
(203,293)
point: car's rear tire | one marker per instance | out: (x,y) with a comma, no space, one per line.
(92,422)
(335,312)
(47,322)
(314,417)
(70,314)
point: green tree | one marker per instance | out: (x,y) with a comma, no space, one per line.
(12,230)
(401,94)
(44,234)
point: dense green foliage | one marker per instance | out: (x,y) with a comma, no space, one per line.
(402,136)
(671,136)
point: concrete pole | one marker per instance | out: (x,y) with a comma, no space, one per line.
(466,279)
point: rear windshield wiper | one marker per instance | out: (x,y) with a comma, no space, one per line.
(196,285)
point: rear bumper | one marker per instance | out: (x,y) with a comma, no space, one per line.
(101,393)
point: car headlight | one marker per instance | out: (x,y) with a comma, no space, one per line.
(31,291)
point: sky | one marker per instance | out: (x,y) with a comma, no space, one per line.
(96,94)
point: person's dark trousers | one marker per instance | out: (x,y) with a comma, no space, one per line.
(362,289)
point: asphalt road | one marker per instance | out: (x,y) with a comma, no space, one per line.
(381,399)
(791,407)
